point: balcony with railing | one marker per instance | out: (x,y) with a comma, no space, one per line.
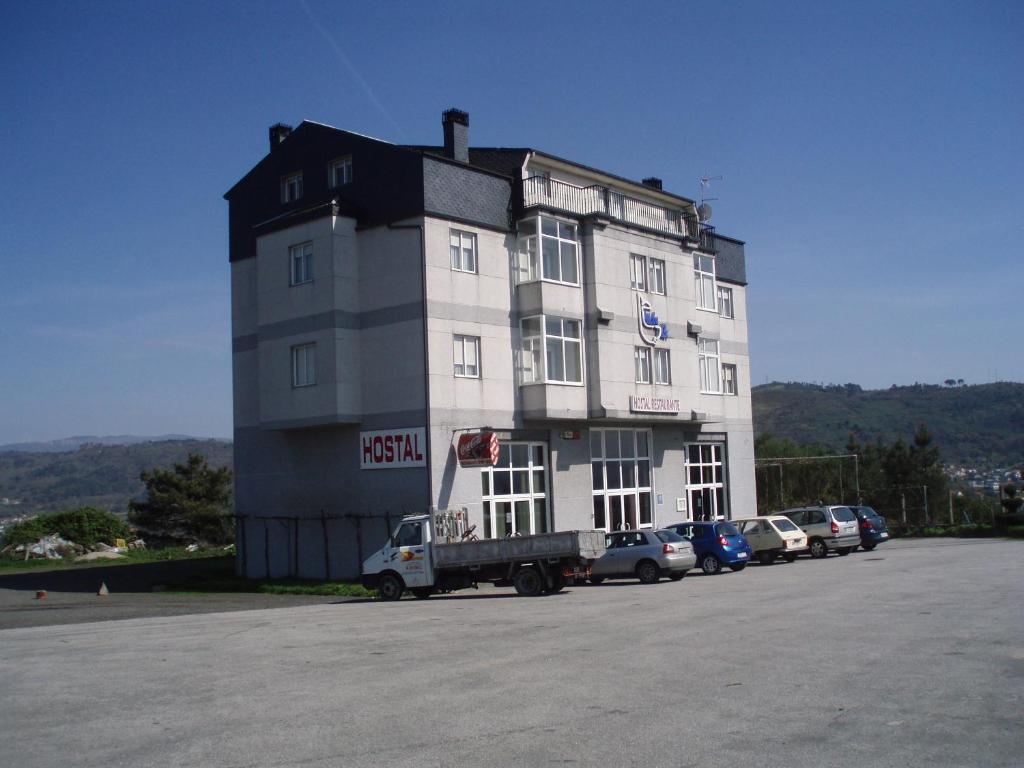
(597,199)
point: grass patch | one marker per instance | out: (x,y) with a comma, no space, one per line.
(202,583)
(131,557)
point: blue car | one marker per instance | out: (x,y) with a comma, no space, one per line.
(873,530)
(715,545)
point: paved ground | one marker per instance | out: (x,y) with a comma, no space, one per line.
(912,655)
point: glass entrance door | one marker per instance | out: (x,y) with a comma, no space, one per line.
(706,481)
(620,461)
(515,492)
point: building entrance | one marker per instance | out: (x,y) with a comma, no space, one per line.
(705,486)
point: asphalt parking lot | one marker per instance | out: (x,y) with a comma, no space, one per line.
(911,655)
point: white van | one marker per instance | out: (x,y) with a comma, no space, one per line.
(772,536)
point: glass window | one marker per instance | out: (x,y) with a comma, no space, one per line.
(642,364)
(662,367)
(704,282)
(466,352)
(710,376)
(706,481)
(301,259)
(637,273)
(463,250)
(409,535)
(555,257)
(843,515)
(562,345)
(657,268)
(728,379)
(515,493)
(622,483)
(725,301)
(304,365)
(339,172)
(783,525)
(291,187)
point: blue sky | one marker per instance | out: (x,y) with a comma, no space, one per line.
(872,155)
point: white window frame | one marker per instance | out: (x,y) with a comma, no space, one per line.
(704,283)
(530,266)
(538,480)
(533,364)
(656,280)
(642,365)
(709,363)
(339,172)
(725,304)
(462,246)
(607,471)
(729,383)
(291,187)
(637,272)
(706,477)
(462,347)
(662,366)
(300,263)
(304,365)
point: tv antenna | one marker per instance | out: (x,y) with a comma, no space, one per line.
(704,210)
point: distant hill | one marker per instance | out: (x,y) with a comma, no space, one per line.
(74,443)
(104,476)
(980,425)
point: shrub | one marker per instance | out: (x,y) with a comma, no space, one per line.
(86,526)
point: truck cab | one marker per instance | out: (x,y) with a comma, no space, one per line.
(407,553)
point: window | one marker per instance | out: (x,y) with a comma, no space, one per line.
(637,273)
(705,483)
(463,248)
(515,492)
(620,461)
(728,379)
(304,365)
(467,356)
(704,282)
(642,364)
(557,257)
(662,367)
(339,172)
(707,352)
(301,259)
(725,302)
(657,267)
(409,535)
(291,187)
(552,351)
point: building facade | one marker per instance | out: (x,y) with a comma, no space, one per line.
(389,300)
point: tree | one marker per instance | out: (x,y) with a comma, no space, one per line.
(191,503)
(85,525)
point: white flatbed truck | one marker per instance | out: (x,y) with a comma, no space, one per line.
(436,552)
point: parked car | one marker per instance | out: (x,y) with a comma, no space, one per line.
(828,528)
(772,536)
(873,530)
(715,544)
(645,555)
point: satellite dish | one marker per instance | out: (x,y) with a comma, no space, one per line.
(704,212)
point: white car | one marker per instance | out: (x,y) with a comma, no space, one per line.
(772,536)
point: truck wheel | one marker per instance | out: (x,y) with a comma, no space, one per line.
(528,582)
(648,572)
(595,580)
(557,582)
(390,587)
(421,593)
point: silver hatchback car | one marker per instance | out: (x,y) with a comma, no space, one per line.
(645,555)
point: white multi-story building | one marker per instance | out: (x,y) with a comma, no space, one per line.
(389,301)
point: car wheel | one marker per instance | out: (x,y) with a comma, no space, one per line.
(767,557)
(390,587)
(648,572)
(595,580)
(528,582)
(818,548)
(677,575)
(737,567)
(421,593)
(868,547)
(791,558)
(710,565)
(843,551)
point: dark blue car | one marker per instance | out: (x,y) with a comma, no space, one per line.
(715,544)
(873,530)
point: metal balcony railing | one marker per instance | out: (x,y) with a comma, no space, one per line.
(584,201)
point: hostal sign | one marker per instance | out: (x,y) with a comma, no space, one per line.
(393,448)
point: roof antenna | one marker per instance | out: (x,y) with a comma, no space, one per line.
(704,210)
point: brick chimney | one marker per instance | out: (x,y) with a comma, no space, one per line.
(278,133)
(456,134)
(653,182)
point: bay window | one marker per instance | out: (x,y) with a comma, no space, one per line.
(552,350)
(547,250)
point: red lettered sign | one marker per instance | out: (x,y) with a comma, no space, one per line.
(478,450)
(393,448)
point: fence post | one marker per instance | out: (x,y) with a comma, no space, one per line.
(359,541)
(903,505)
(295,547)
(266,548)
(327,548)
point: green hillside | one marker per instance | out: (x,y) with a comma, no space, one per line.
(104,476)
(979,425)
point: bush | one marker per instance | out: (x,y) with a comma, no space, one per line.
(86,526)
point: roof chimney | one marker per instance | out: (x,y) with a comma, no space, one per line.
(278,133)
(456,134)
(653,182)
